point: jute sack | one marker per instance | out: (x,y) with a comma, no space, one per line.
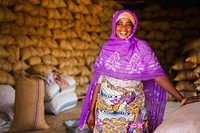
(5,65)
(14,54)
(66,13)
(181,64)
(186,75)
(197,82)
(70,62)
(185,86)
(69,71)
(29,104)
(20,66)
(197,69)
(6,15)
(191,45)
(53,3)
(6,40)
(40,69)
(194,56)
(43,51)
(33,60)
(50,42)
(28,52)
(4,53)
(49,60)
(6,78)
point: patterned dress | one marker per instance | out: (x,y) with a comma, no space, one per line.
(120,107)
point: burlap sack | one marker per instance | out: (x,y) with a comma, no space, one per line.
(186,75)
(6,40)
(8,3)
(5,65)
(53,13)
(156,35)
(6,15)
(14,54)
(43,51)
(181,64)
(179,24)
(6,78)
(78,53)
(54,23)
(69,71)
(81,61)
(49,60)
(197,82)
(33,60)
(50,42)
(65,44)
(194,56)
(197,69)
(53,3)
(23,41)
(44,32)
(38,41)
(58,53)
(28,52)
(65,13)
(185,86)
(41,69)
(69,62)
(20,66)
(173,35)
(4,53)
(191,45)
(84,71)
(34,2)
(29,104)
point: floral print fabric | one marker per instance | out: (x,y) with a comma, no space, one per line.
(120,107)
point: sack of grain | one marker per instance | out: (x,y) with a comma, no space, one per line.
(6,40)
(69,71)
(4,53)
(33,60)
(69,62)
(5,65)
(185,86)
(49,60)
(65,44)
(28,52)
(20,66)
(194,56)
(40,69)
(53,3)
(181,64)
(6,78)
(14,54)
(186,75)
(50,42)
(58,53)
(6,15)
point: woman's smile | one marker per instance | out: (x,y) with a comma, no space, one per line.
(123,28)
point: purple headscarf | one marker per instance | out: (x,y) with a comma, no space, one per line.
(129,59)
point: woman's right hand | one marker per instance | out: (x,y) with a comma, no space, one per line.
(90,120)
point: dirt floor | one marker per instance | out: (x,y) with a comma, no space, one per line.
(56,122)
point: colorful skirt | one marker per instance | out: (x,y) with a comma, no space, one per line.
(120,109)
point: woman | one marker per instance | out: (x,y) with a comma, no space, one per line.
(129,88)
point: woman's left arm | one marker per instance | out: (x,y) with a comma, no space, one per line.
(166,84)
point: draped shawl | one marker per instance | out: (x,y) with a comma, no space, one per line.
(129,59)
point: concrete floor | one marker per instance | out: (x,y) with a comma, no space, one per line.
(56,122)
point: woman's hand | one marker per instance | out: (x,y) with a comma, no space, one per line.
(90,120)
(192,100)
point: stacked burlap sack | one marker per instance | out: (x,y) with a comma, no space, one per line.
(188,69)
(167,30)
(39,36)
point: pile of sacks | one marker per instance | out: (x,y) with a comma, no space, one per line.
(59,93)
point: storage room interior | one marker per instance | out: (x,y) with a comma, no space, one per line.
(39,36)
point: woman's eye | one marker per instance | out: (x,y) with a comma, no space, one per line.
(119,24)
(129,25)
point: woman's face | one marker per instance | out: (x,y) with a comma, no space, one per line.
(123,28)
